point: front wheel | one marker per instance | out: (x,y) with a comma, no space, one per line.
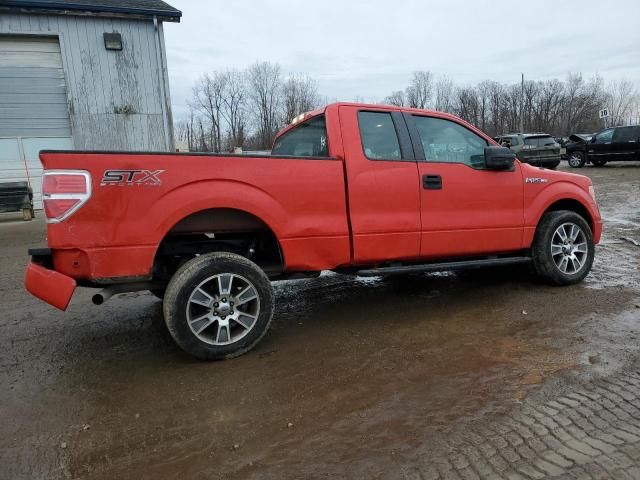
(563,248)
(577,160)
(218,306)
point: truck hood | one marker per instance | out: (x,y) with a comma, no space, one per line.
(577,138)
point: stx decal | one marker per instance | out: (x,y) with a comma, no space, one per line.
(131,177)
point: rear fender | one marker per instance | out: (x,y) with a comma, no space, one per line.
(203,195)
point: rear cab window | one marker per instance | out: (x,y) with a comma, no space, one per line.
(379,136)
(309,139)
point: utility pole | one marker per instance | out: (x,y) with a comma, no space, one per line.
(522,105)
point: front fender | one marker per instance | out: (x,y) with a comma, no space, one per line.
(556,192)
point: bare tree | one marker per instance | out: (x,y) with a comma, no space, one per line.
(208,99)
(420,90)
(397,99)
(620,98)
(299,95)
(234,108)
(444,94)
(264,84)
(185,131)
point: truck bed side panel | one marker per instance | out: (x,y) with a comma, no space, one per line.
(301,200)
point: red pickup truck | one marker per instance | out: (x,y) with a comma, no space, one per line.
(365,189)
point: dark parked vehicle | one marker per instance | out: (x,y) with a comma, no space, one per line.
(610,145)
(16,197)
(537,149)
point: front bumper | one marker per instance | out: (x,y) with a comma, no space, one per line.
(48,285)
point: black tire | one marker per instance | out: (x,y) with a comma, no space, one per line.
(178,305)
(544,264)
(553,166)
(599,163)
(577,159)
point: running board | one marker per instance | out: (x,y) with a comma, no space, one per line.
(444,266)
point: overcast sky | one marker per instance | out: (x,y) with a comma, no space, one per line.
(366,49)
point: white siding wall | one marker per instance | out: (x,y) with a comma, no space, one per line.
(101,84)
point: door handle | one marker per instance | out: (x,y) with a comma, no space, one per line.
(432,182)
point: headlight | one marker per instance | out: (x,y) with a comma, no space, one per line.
(592,192)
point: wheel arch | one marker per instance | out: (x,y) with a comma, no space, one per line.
(226,227)
(559,196)
(573,205)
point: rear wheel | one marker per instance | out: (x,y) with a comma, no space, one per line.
(576,159)
(563,248)
(599,163)
(218,306)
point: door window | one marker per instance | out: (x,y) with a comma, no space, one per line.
(309,139)
(379,136)
(604,136)
(626,134)
(445,141)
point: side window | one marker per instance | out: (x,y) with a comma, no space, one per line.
(309,139)
(625,134)
(379,136)
(445,141)
(604,136)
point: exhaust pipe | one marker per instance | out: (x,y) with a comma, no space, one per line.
(106,293)
(102,296)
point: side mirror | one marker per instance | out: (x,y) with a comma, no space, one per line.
(593,139)
(498,158)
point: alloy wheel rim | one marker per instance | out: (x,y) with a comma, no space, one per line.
(574,160)
(223,309)
(569,248)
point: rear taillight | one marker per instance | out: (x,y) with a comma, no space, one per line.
(64,192)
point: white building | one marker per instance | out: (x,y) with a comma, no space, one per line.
(89,75)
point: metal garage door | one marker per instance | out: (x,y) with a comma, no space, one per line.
(33,106)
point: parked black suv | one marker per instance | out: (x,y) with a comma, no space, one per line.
(610,145)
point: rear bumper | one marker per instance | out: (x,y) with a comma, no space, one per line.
(48,285)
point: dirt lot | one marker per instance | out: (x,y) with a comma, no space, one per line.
(483,375)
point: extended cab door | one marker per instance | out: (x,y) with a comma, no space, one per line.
(625,143)
(465,209)
(383,184)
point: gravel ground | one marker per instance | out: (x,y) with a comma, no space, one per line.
(473,375)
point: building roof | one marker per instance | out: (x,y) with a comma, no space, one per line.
(139,8)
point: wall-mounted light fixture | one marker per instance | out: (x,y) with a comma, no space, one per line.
(112,41)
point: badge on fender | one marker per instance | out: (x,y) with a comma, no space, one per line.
(131,177)
(535,180)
